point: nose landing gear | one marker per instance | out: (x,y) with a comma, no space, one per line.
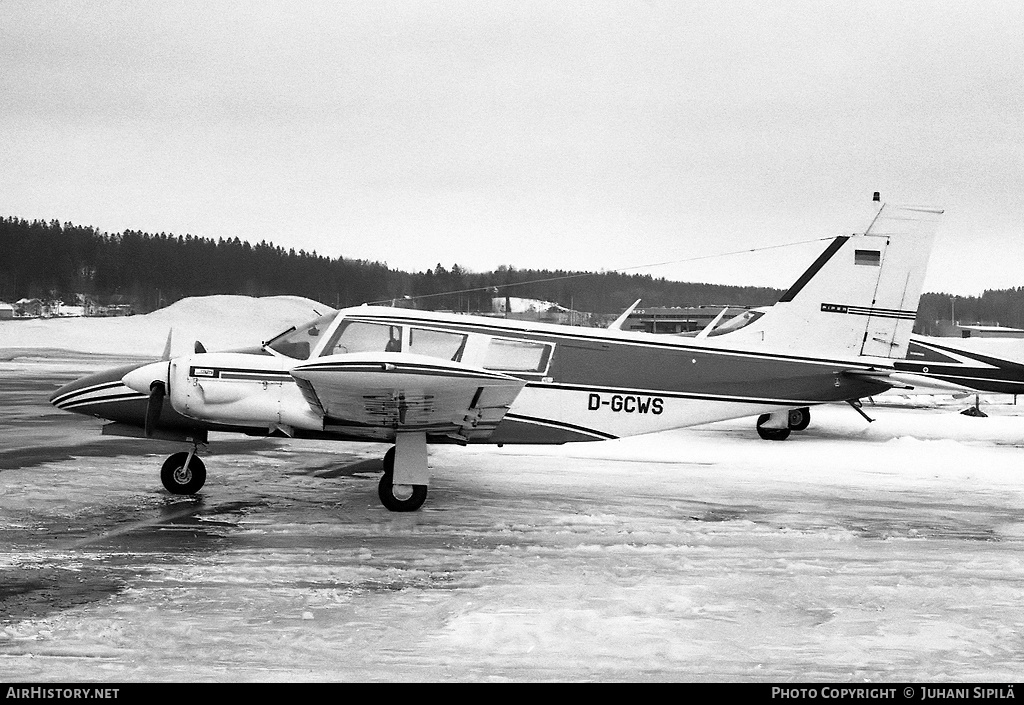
(183,473)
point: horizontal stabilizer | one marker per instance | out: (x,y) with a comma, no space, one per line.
(907,380)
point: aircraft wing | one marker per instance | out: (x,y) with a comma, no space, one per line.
(379,394)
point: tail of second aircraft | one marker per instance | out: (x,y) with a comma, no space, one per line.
(859,297)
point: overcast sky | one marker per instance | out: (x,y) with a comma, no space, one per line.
(591,135)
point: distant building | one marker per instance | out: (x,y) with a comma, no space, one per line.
(30,308)
(68,311)
(676,319)
(94,308)
(947,329)
(978,331)
(6,311)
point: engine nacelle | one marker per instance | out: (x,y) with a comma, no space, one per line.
(239,389)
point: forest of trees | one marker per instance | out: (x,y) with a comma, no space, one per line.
(49,260)
(1004,307)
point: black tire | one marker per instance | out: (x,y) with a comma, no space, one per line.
(178,479)
(770,434)
(799,419)
(386,489)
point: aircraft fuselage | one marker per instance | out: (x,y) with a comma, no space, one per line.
(578,384)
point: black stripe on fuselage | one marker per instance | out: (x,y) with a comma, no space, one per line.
(397,367)
(237,373)
(64,398)
(560,426)
(823,258)
(100,400)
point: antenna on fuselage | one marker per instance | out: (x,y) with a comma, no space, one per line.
(617,323)
(711,326)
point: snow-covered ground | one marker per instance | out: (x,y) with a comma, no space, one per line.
(852,552)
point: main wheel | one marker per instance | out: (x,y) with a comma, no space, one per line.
(404,498)
(770,434)
(179,479)
(799,419)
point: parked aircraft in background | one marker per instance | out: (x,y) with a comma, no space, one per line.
(414,378)
(937,366)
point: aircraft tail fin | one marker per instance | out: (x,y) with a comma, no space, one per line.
(860,296)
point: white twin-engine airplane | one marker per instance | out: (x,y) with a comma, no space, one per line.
(413,378)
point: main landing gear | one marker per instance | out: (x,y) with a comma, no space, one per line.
(398,498)
(403,486)
(778,425)
(183,473)
(799,419)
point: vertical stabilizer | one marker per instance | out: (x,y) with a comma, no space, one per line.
(860,296)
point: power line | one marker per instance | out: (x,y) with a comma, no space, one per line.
(495,287)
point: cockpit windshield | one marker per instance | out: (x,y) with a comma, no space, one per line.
(299,342)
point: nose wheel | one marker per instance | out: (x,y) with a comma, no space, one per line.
(183,473)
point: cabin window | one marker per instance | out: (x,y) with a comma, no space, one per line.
(436,343)
(517,355)
(356,336)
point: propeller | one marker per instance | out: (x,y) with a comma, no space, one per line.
(157,390)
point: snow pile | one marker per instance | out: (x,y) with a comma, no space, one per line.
(521,305)
(219,322)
